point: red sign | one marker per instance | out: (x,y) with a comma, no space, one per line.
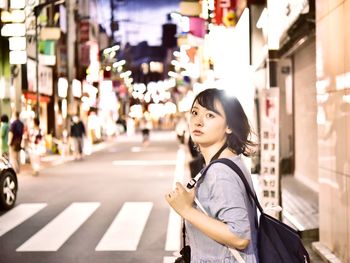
(85,55)
(221,9)
(84,31)
(225,3)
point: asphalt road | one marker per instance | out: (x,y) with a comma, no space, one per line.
(109,207)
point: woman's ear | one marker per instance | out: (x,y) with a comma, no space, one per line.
(228,130)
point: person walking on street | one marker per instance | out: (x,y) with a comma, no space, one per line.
(15,140)
(4,135)
(77,132)
(181,129)
(36,146)
(220,129)
(145,127)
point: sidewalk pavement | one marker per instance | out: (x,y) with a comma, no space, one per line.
(300,211)
(49,160)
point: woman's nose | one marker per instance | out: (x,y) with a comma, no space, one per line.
(198,121)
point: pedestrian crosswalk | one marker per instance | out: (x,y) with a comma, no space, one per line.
(18,215)
(50,228)
(123,234)
(55,233)
(129,223)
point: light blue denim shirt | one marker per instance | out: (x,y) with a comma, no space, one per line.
(222,194)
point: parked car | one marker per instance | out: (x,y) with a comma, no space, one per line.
(8,184)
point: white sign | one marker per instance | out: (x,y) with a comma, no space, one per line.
(45,78)
(270,176)
(62,87)
(13,16)
(76,88)
(48,60)
(18,57)
(17,43)
(13,30)
(281,15)
(17,4)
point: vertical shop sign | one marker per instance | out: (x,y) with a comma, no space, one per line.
(270,176)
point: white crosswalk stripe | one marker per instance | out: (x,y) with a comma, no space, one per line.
(173,238)
(130,223)
(55,233)
(144,163)
(18,215)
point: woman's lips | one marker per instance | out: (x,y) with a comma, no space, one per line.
(197,133)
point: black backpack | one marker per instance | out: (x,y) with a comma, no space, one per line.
(277,242)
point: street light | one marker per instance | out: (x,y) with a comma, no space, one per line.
(37,10)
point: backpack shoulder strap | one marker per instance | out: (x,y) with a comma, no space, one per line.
(239,172)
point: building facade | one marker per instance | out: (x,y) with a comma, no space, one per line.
(333,122)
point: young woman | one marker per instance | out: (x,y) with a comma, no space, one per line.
(220,129)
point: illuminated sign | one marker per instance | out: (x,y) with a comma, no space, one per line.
(188,8)
(18,57)
(17,43)
(17,4)
(13,30)
(62,87)
(76,88)
(13,16)
(50,33)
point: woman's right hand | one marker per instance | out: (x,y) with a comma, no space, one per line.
(180,199)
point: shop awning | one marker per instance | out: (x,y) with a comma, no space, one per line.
(32,96)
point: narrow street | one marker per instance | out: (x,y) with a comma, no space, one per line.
(108,207)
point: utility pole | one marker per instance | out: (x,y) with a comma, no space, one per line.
(112,22)
(70,39)
(37,10)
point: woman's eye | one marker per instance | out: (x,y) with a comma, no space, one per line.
(194,112)
(210,115)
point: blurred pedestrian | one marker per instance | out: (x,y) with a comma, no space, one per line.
(4,131)
(15,141)
(146,127)
(121,124)
(77,133)
(181,129)
(220,129)
(37,146)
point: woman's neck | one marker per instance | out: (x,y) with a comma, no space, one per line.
(209,152)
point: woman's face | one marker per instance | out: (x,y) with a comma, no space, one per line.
(208,127)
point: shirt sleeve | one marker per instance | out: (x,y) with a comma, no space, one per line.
(11,127)
(227,199)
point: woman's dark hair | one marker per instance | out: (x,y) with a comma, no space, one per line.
(236,119)
(4,118)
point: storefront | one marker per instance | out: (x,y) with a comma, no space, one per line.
(30,95)
(296,78)
(283,60)
(5,82)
